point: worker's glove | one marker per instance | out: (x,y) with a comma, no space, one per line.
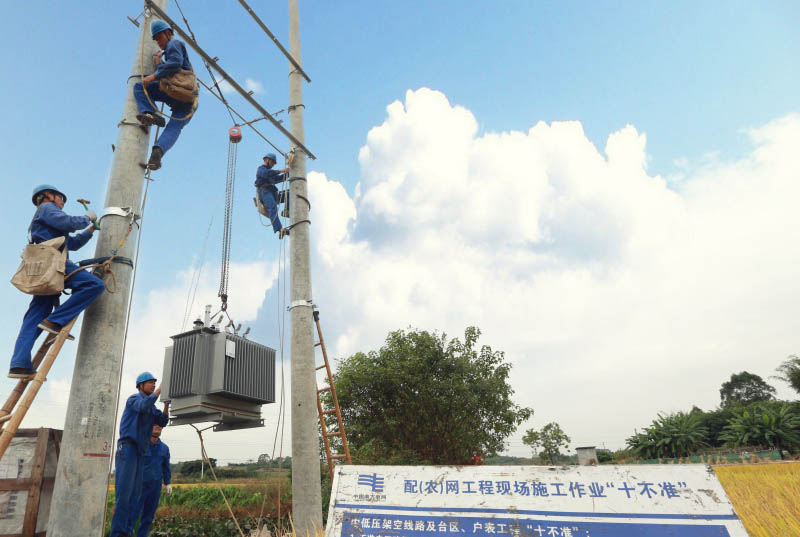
(169,490)
(92,215)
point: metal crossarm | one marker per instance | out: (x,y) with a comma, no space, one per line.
(274,39)
(235,85)
(14,410)
(330,457)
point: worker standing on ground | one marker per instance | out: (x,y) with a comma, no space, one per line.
(156,470)
(266,179)
(49,222)
(171,61)
(135,432)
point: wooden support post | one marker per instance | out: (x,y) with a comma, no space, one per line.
(35,492)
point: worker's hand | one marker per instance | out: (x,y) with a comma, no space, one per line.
(157,391)
(169,490)
(157,57)
(148,79)
(92,228)
(92,215)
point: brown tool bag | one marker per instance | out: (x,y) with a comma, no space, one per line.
(181,86)
(41,271)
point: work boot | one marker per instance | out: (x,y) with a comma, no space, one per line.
(21,373)
(283,232)
(54,329)
(149,118)
(155,158)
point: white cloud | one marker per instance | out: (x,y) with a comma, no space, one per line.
(253,85)
(615,296)
(226,87)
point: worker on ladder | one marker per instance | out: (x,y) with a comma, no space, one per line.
(135,432)
(156,470)
(266,179)
(45,313)
(171,61)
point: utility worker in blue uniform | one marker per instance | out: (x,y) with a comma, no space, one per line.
(266,179)
(170,59)
(156,470)
(135,431)
(45,312)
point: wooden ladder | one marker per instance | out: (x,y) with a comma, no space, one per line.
(326,436)
(12,414)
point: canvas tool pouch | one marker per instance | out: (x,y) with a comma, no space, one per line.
(42,269)
(181,86)
(260,207)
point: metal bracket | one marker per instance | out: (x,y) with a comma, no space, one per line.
(125,212)
(300,304)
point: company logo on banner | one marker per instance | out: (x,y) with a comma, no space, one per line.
(530,501)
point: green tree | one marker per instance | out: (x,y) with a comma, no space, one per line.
(790,372)
(422,398)
(194,467)
(745,388)
(761,425)
(674,435)
(547,442)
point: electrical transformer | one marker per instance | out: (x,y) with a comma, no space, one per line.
(217,376)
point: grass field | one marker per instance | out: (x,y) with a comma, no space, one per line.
(765,496)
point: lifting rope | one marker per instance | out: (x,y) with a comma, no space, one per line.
(234,137)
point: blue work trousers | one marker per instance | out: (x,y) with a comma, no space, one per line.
(127,489)
(270,199)
(151,492)
(178,110)
(85,288)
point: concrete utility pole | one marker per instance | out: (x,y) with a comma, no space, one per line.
(306,492)
(79,497)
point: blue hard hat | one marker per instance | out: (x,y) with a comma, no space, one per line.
(144,377)
(44,188)
(271,156)
(158,26)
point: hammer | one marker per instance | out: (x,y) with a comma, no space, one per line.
(85,204)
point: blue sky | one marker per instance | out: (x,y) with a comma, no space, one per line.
(694,77)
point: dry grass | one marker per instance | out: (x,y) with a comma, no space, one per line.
(765,496)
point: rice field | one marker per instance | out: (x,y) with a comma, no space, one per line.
(765,496)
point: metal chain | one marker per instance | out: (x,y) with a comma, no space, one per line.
(226,233)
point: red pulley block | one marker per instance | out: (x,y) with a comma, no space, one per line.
(235,134)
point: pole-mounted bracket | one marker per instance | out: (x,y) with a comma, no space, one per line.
(125,212)
(300,304)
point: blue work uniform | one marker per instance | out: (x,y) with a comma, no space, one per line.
(173,59)
(50,222)
(266,179)
(135,429)
(156,470)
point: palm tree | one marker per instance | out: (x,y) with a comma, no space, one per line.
(765,427)
(674,435)
(790,372)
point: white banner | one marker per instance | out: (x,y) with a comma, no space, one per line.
(530,501)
